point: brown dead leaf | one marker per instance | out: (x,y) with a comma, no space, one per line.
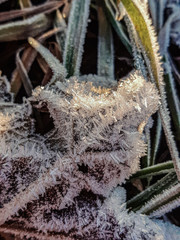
(31,11)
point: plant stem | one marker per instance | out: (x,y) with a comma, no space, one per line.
(157,169)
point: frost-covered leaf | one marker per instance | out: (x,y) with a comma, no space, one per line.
(95,128)
(88,216)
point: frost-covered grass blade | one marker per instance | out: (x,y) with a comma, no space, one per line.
(27,59)
(138,15)
(75,37)
(164,183)
(157,169)
(19,30)
(156,141)
(118,27)
(105,46)
(59,72)
(163,203)
(172,96)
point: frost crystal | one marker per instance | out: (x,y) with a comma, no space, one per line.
(61,183)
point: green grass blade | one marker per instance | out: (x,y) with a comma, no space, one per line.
(163,203)
(164,183)
(19,30)
(157,140)
(157,169)
(139,17)
(118,27)
(105,46)
(75,37)
(172,97)
(148,139)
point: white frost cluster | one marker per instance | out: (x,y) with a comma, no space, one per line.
(95,145)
